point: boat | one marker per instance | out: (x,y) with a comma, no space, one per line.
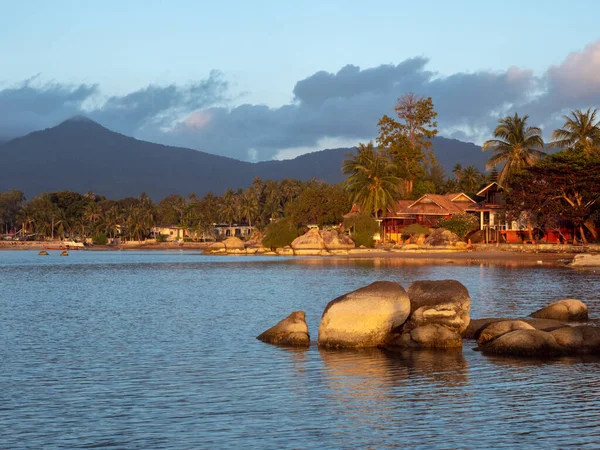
(66,245)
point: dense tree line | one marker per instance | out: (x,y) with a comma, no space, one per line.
(69,214)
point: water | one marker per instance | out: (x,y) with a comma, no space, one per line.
(141,350)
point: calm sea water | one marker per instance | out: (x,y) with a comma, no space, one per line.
(143,350)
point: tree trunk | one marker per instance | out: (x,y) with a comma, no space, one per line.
(529,228)
(590,226)
(582,233)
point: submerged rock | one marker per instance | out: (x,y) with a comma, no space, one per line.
(432,336)
(64,253)
(577,340)
(497,329)
(365,317)
(568,310)
(476,326)
(291,331)
(43,253)
(524,343)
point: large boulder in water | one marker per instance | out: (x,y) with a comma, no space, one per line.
(291,331)
(443,302)
(441,237)
(497,329)
(365,317)
(476,326)
(581,339)
(567,309)
(524,343)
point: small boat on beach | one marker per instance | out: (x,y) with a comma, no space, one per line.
(66,245)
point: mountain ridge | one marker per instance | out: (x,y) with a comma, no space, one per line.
(81,155)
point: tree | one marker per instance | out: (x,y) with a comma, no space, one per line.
(562,187)
(457,171)
(408,141)
(470,179)
(370,181)
(517,146)
(320,203)
(581,132)
(10,204)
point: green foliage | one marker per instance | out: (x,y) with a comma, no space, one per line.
(516,147)
(371,183)
(161,238)
(581,132)
(100,239)
(362,228)
(320,204)
(461,224)
(415,228)
(280,233)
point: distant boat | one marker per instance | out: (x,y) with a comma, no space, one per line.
(67,245)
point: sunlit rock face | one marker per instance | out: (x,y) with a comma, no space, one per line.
(365,317)
(567,309)
(291,331)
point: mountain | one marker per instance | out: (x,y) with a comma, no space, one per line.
(81,155)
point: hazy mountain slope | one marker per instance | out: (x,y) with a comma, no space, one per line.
(81,155)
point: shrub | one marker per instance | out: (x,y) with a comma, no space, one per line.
(415,228)
(363,228)
(100,239)
(161,237)
(461,224)
(280,233)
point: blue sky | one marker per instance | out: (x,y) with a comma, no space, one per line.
(254,54)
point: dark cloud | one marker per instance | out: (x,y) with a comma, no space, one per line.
(345,105)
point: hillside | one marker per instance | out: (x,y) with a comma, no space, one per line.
(81,155)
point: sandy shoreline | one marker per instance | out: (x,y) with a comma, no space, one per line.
(496,255)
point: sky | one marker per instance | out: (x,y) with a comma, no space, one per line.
(269,79)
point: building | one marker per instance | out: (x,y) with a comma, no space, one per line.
(427,210)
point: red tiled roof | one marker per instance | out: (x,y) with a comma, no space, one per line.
(433,204)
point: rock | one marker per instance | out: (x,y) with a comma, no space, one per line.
(233,243)
(585,260)
(64,253)
(215,247)
(291,331)
(567,309)
(43,253)
(408,247)
(497,329)
(524,343)
(417,239)
(335,241)
(285,251)
(365,317)
(311,240)
(308,252)
(426,336)
(441,236)
(444,302)
(460,245)
(315,239)
(580,339)
(476,326)
(251,250)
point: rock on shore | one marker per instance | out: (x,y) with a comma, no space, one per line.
(568,309)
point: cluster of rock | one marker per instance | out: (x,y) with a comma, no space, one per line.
(435,315)
(430,314)
(440,238)
(314,242)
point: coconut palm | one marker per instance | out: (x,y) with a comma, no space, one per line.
(581,131)
(516,146)
(457,171)
(370,181)
(470,179)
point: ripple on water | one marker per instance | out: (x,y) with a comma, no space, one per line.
(157,350)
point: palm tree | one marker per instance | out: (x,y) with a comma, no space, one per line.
(581,131)
(370,181)
(470,179)
(457,171)
(517,146)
